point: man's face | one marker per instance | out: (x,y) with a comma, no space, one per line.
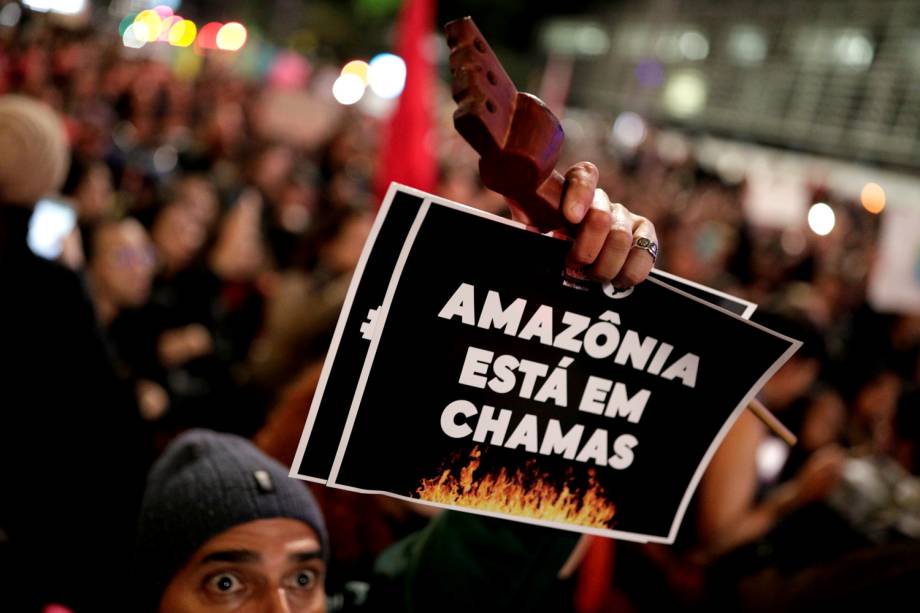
(268,565)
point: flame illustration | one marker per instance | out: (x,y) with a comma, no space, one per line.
(526,494)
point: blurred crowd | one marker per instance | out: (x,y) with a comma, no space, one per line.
(216,251)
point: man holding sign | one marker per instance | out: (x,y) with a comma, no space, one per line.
(524,561)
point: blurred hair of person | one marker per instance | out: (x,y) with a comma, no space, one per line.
(89,184)
(68,431)
(222,527)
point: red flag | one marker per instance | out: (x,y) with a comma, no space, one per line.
(407,150)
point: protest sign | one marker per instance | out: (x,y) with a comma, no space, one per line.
(329,408)
(493,386)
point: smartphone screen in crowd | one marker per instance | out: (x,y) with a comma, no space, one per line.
(50,224)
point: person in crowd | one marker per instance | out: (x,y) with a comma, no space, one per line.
(222,527)
(121,267)
(120,270)
(68,442)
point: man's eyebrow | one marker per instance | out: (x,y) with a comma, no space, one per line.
(243,556)
(305,556)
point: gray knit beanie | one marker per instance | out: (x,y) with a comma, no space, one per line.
(206,483)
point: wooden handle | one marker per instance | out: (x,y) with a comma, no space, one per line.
(769,419)
(517,137)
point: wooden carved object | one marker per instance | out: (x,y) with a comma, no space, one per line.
(517,136)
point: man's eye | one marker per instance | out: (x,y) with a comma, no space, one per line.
(224,583)
(304,579)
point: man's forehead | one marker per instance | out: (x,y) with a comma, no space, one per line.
(266,537)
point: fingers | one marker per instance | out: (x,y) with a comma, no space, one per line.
(578,195)
(617,244)
(638,261)
(606,232)
(592,232)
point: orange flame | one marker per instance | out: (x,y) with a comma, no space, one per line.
(522,494)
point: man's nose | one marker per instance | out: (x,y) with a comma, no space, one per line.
(278,602)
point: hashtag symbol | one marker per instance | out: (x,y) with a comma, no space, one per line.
(367,328)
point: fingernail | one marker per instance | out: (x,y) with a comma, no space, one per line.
(578,210)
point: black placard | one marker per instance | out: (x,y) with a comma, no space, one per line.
(395,442)
(372,276)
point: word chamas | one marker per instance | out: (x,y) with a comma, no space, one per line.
(502,374)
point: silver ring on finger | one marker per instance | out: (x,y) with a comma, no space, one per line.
(646,244)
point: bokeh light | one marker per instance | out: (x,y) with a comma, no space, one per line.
(64,7)
(207,35)
(650,73)
(628,130)
(152,22)
(821,218)
(125,23)
(183,33)
(685,94)
(231,36)
(348,89)
(10,15)
(386,75)
(168,23)
(693,45)
(163,11)
(873,198)
(359,68)
(135,36)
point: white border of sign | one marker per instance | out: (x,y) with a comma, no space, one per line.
(749,309)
